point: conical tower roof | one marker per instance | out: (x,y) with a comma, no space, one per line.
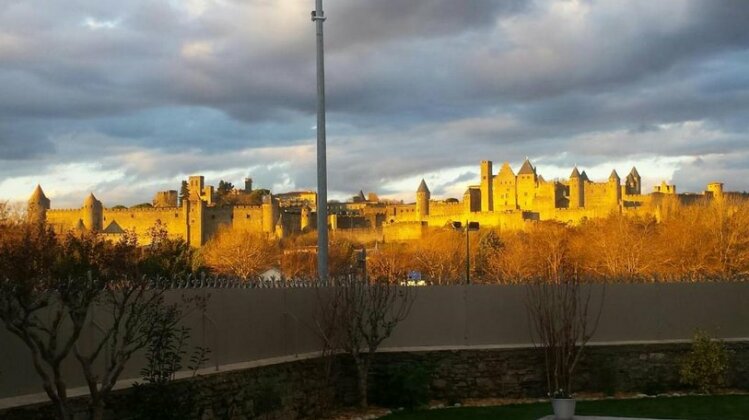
(614,175)
(423,187)
(506,170)
(38,195)
(575,173)
(634,172)
(527,168)
(90,200)
(584,176)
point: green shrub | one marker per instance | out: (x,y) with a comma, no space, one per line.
(705,366)
(404,386)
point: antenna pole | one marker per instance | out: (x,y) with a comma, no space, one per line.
(318,16)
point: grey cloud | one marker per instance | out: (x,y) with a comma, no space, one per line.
(361,22)
(732,169)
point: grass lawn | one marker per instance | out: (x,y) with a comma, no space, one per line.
(719,407)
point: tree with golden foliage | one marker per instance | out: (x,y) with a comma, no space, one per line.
(617,247)
(390,263)
(541,251)
(239,253)
(299,263)
(440,256)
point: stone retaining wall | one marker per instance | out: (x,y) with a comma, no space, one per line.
(300,389)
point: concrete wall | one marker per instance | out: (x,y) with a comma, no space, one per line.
(244,325)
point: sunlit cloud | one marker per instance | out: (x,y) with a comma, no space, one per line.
(96,24)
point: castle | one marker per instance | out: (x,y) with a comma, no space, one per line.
(504,200)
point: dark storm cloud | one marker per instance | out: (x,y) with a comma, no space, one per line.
(611,47)
(22,141)
(155,90)
(364,22)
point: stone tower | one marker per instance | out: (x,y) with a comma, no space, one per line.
(270,213)
(487,193)
(577,188)
(196,185)
(633,183)
(195,211)
(93,213)
(472,199)
(37,206)
(305,218)
(527,181)
(614,192)
(505,189)
(248,185)
(422,200)
(715,189)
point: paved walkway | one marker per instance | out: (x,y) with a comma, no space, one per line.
(551,417)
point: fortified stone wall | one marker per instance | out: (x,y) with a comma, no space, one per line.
(215,219)
(247,218)
(63,220)
(404,212)
(441,208)
(143,219)
(600,195)
(403,231)
(511,220)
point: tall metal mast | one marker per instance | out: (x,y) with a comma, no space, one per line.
(318,16)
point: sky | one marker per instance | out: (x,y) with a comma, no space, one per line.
(125,98)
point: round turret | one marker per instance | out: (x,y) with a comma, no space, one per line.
(270,213)
(576,189)
(93,213)
(37,206)
(422,200)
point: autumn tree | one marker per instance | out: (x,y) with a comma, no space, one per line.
(390,262)
(729,224)
(299,263)
(683,244)
(440,256)
(239,253)
(617,246)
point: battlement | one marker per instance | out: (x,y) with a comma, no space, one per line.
(144,210)
(64,210)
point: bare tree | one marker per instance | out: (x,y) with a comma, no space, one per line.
(561,326)
(357,317)
(49,291)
